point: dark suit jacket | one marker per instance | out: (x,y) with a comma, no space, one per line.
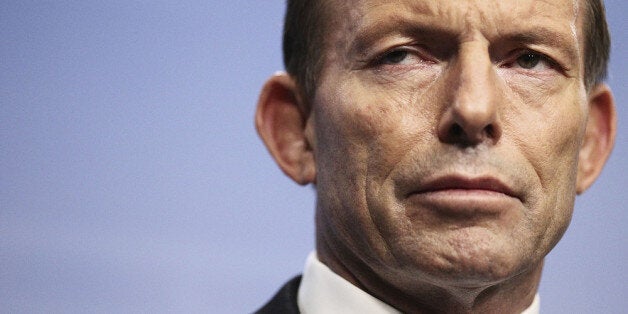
(285,300)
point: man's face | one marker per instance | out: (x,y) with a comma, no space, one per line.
(447,134)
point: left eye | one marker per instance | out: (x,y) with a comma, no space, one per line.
(529,60)
(394,57)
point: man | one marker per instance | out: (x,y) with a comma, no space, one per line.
(446,140)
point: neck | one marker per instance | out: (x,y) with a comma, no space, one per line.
(412,295)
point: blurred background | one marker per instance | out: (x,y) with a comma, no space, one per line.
(132,180)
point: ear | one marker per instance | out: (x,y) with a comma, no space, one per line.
(599,136)
(283,126)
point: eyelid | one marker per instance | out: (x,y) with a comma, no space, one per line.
(417,50)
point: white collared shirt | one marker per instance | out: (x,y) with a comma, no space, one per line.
(324,292)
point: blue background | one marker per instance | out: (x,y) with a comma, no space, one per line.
(132,180)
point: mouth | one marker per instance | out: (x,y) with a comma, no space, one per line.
(459,183)
(460,195)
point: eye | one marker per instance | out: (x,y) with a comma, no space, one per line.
(404,56)
(394,57)
(529,60)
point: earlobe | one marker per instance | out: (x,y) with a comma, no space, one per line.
(599,136)
(284,128)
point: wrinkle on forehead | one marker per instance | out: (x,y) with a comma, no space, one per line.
(461,14)
(574,23)
(574,32)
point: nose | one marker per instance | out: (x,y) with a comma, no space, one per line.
(472,99)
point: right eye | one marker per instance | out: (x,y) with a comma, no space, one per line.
(406,56)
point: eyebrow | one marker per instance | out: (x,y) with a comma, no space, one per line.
(397,25)
(561,42)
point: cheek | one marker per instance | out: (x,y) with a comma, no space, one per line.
(549,137)
(366,123)
(361,134)
(547,123)
(342,129)
(555,143)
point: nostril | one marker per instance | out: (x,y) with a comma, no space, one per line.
(490,131)
(456,131)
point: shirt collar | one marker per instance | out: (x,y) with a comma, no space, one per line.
(323,291)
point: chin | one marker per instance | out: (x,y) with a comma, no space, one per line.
(469,259)
(476,273)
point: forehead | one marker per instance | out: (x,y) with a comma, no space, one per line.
(487,8)
(489,17)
